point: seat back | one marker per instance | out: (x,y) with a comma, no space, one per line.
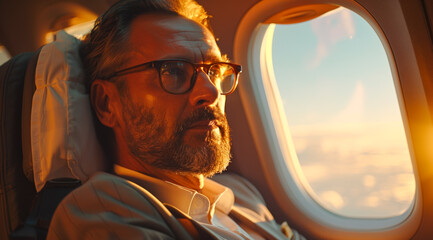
(48,139)
(16,190)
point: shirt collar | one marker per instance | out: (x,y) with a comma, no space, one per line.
(198,205)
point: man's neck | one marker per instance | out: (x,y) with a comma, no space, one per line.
(193,181)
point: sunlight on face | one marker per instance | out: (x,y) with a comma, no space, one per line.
(183,133)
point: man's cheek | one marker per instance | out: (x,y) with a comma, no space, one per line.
(222,103)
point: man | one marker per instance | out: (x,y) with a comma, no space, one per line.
(158,81)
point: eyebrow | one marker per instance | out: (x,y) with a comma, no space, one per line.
(210,59)
(216,59)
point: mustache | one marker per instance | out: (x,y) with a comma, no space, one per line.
(202,114)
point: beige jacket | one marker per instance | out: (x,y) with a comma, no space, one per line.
(111,207)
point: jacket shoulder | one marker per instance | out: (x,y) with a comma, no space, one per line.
(110,207)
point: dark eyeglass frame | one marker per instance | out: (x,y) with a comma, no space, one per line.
(158,63)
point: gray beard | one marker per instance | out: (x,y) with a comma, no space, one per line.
(144,135)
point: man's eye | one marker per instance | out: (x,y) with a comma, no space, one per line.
(173,71)
(215,72)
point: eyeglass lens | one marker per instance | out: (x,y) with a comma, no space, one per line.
(176,76)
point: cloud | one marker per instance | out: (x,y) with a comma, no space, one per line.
(332,199)
(330,29)
(315,172)
(354,110)
(369,181)
(356,169)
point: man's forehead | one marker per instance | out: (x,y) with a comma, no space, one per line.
(161,31)
(175,22)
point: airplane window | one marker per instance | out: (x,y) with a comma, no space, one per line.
(343,115)
(4,55)
(78,30)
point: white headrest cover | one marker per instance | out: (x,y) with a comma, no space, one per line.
(63,137)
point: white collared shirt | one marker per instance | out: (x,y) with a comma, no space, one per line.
(210,208)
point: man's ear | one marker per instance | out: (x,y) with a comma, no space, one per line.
(103,97)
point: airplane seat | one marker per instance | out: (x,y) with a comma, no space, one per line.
(48,140)
(16,190)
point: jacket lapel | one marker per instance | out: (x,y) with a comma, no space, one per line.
(196,230)
(265,229)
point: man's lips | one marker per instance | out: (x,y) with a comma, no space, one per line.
(204,125)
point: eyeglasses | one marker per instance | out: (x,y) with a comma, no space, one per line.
(179,76)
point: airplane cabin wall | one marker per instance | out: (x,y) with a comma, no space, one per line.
(24,23)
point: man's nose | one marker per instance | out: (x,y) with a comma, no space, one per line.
(204,92)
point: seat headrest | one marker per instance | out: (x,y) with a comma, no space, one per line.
(63,137)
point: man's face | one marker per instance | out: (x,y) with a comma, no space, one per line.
(184,133)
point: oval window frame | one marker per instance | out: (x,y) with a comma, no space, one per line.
(250,49)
